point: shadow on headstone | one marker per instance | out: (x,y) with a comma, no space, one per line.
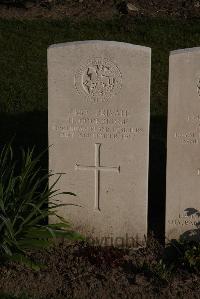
(192,234)
(157,177)
(177,248)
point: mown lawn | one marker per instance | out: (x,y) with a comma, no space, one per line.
(23,64)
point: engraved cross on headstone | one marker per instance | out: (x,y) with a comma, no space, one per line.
(97,168)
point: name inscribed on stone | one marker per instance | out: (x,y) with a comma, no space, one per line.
(103,124)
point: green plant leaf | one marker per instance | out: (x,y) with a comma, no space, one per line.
(26,199)
(34,243)
(22,259)
(59,225)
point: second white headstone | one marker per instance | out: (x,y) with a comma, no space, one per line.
(183,146)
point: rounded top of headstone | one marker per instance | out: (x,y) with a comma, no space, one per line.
(185,51)
(100,42)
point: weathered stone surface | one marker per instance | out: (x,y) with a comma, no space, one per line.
(183,145)
(99,125)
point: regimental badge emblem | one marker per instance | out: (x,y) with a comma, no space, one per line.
(98,80)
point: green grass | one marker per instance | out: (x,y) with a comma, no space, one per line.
(23,63)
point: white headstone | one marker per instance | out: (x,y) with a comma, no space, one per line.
(99,106)
(183,145)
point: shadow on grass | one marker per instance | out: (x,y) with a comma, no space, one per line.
(157,177)
(28,129)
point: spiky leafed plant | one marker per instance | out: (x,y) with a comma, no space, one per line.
(26,201)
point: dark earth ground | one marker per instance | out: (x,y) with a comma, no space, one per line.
(80,271)
(101,9)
